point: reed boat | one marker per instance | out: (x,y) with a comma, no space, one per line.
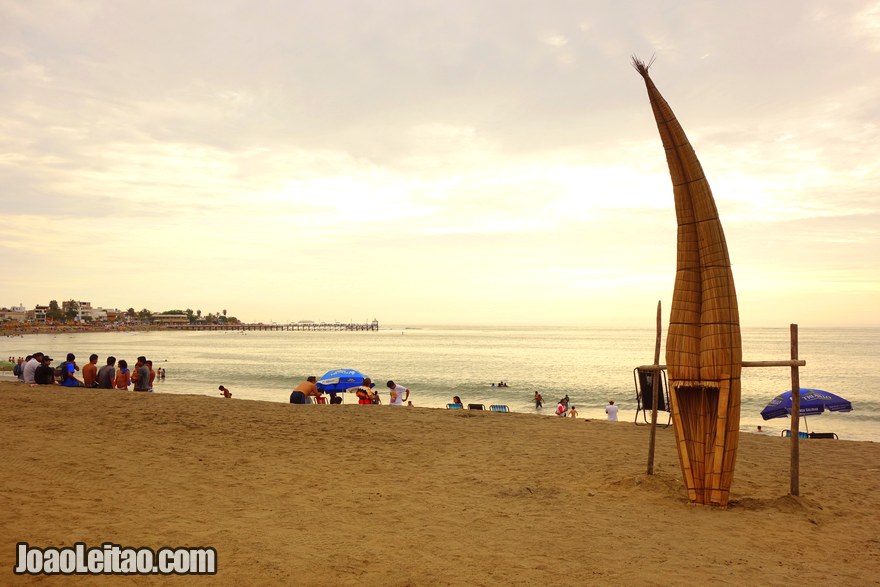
(703,345)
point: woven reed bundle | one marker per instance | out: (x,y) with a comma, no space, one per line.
(703,347)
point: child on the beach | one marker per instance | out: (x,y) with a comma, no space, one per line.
(225,392)
(573,412)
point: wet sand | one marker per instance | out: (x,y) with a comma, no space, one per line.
(374,495)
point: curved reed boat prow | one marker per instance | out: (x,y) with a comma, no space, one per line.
(703,347)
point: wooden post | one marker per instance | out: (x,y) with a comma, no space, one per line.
(793,363)
(655,380)
(795,414)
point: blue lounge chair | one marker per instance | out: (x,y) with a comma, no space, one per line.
(453,406)
(787,434)
(499,408)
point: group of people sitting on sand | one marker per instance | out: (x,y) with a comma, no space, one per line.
(37,369)
(364,392)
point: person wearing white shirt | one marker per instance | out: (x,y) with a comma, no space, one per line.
(31,367)
(397,393)
(611,410)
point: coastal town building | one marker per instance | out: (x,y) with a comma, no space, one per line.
(82,314)
(99,314)
(13,314)
(38,314)
(83,310)
(170,319)
(113,315)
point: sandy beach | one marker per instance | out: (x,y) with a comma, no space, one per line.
(374,495)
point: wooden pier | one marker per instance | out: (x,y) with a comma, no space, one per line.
(292,326)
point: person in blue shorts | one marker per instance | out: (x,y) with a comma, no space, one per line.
(68,372)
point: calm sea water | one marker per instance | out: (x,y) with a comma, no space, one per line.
(590,365)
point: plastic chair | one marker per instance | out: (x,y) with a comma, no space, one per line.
(453,406)
(499,408)
(319,400)
(476,407)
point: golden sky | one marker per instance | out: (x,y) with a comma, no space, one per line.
(434,162)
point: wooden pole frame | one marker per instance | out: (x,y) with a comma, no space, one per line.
(795,415)
(655,385)
(794,363)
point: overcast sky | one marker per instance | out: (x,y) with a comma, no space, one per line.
(422,162)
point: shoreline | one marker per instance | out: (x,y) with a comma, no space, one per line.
(197,362)
(772,428)
(73,329)
(368,495)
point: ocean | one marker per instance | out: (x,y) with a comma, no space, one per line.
(590,365)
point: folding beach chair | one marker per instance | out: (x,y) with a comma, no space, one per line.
(319,400)
(453,406)
(644,380)
(476,407)
(498,408)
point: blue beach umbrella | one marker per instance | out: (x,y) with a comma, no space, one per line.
(340,380)
(813,401)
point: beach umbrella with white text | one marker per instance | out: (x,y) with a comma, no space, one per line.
(340,380)
(813,402)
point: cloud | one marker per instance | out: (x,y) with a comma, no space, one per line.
(424,144)
(866,25)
